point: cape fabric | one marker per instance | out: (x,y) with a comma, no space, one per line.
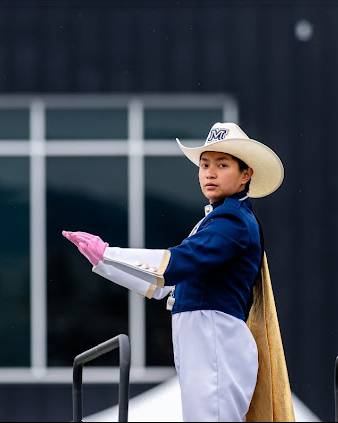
(272,401)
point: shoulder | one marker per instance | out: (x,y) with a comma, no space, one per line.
(233,215)
(232,209)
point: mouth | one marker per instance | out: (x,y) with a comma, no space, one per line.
(210,185)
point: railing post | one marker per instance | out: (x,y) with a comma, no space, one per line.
(336,390)
(124,378)
(77,392)
(121,342)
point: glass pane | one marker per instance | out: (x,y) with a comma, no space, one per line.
(179,123)
(14,262)
(14,124)
(82,124)
(174,204)
(84,309)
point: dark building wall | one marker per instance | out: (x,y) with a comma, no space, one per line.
(287,95)
(53,402)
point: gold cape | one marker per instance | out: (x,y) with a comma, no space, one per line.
(271,401)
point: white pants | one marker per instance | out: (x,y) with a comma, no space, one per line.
(216,361)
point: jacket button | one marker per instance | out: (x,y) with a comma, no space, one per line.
(137,263)
(144,266)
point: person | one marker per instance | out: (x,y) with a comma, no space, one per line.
(210,279)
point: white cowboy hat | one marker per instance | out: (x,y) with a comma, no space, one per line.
(268,171)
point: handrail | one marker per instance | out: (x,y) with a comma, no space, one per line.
(336,390)
(120,341)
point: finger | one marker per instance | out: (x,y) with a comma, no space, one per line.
(85,235)
(79,238)
(82,247)
(72,239)
(84,250)
(68,235)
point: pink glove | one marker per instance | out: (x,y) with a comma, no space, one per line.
(91,246)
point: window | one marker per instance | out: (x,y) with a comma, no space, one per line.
(86,124)
(14,124)
(14,262)
(183,123)
(87,194)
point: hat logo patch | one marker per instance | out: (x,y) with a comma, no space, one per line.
(217,135)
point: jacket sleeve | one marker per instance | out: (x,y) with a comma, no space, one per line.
(220,240)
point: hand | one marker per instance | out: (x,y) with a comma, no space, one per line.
(91,246)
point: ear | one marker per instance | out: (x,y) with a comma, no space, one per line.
(246,175)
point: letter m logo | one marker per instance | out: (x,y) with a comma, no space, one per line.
(217,135)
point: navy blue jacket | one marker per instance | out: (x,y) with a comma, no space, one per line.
(215,268)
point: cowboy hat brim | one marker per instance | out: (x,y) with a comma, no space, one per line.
(268,170)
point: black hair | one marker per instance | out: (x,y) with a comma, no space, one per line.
(242,166)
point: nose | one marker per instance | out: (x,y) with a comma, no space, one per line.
(210,174)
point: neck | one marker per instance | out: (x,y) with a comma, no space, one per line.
(238,194)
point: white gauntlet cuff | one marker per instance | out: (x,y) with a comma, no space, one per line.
(141,260)
(139,270)
(156,292)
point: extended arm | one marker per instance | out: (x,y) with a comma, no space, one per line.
(139,270)
(152,272)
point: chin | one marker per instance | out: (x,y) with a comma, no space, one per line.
(214,199)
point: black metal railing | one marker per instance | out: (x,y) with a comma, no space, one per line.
(336,390)
(121,342)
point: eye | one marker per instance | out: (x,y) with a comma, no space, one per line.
(223,165)
(204,166)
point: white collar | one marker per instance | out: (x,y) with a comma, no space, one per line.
(208,209)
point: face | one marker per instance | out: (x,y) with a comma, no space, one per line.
(220,176)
